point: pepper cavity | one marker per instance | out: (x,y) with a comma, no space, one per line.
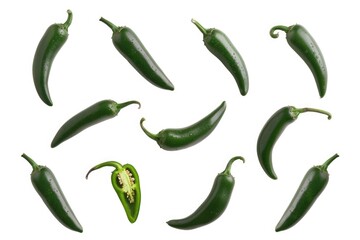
(126,183)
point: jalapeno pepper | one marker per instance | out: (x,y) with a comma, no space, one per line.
(46,51)
(96,113)
(312,185)
(126,183)
(215,203)
(132,49)
(48,188)
(221,47)
(273,129)
(180,138)
(305,46)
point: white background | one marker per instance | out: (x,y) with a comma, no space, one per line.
(88,69)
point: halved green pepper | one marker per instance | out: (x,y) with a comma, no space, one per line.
(126,183)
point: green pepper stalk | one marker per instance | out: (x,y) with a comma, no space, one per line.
(96,113)
(132,49)
(126,183)
(214,205)
(49,46)
(223,49)
(305,46)
(312,185)
(180,138)
(48,188)
(273,129)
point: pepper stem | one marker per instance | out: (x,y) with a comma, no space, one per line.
(327,163)
(122,105)
(274,34)
(227,170)
(114,164)
(149,134)
(297,111)
(69,19)
(199,26)
(109,24)
(34,165)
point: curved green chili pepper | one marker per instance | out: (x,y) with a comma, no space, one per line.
(48,47)
(96,113)
(126,183)
(180,138)
(272,131)
(222,48)
(305,46)
(215,203)
(312,185)
(132,49)
(46,185)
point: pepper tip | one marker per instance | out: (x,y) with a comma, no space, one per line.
(274,177)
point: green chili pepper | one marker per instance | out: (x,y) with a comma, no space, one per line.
(272,131)
(133,50)
(180,138)
(48,188)
(305,46)
(126,183)
(312,185)
(48,47)
(215,203)
(96,113)
(222,48)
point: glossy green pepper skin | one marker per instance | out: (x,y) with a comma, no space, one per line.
(305,46)
(126,183)
(48,188)
(273,129)
(49,46)
(96,113)
(132,49)
(180,138)
(215,203)
(312,185)
(221,47)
